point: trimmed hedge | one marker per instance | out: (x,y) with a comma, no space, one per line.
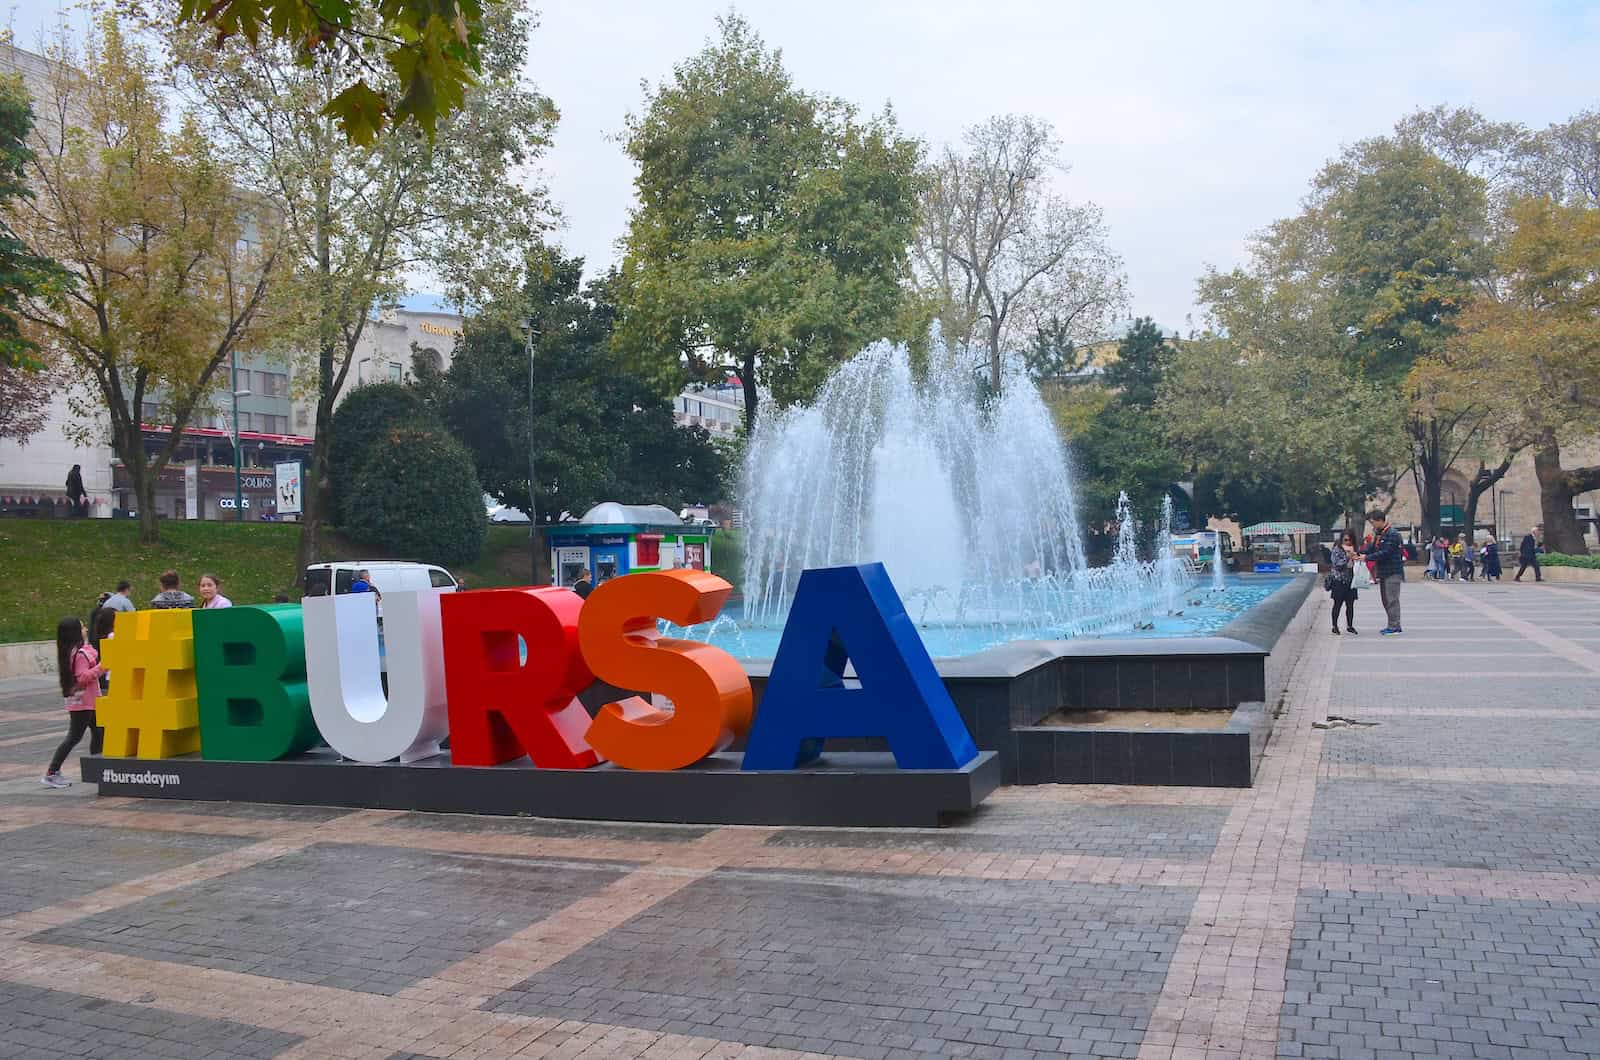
(1559,559)
(359,423)
(418,497)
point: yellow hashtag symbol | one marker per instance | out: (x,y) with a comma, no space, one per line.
(151,710)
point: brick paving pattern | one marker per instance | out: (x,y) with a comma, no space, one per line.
(1425,886)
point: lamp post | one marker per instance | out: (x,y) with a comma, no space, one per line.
(1499,511)
(238,458)
(535,531)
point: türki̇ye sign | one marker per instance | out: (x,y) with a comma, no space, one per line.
(263,683)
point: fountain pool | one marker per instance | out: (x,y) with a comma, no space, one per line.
(1199,613)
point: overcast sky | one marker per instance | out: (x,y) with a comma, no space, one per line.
(1191,125)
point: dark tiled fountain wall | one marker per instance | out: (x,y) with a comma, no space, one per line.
(1003,693)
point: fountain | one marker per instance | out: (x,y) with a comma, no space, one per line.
(1219,576)
(968,501)
(969,506)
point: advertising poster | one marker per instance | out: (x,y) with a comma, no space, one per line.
(289,478)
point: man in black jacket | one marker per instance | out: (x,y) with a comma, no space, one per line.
(1528,556)
(1389,558)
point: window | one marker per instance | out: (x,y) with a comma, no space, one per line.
(440,579)
(394,371)
(246,423)
(343,580)
(150,412)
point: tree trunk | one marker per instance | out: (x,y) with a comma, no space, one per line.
(747,379)
(1482,483)
(144,488)
(994,356)
(1429,455)
(1557,488)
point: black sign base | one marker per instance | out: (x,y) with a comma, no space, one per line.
(845,789)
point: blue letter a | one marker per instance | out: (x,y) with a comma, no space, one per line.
(853,614)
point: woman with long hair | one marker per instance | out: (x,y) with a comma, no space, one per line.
(211,592)
(78,667)
(1343,558)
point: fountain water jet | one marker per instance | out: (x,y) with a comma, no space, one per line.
(968,503)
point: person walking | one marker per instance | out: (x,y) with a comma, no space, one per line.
(1343,558)
(1490,555)
(75,491)
(78,667)
(170,595)
(211,592)
(1438,557)
(1389,566)
(1528,556)
(1462,553)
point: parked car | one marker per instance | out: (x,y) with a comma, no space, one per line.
(323,579)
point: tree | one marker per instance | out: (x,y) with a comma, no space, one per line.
(24,401)
(998,248)
(23,274)
(1141,361)
(423,56)
(771,229)
(1274,424)
(417,496)
(362,423)
(170,262)
(360,217)
(1052,352)
(1538,334)
(601,432)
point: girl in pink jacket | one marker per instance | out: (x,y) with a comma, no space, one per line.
(78,665)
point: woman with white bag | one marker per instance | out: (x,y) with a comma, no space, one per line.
(1347,577)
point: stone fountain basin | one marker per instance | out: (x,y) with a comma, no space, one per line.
(1004,695)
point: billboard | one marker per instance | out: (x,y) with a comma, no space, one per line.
(290,478)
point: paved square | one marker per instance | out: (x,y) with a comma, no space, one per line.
(373,919)
(50,1024)
(860,966)
(46,864)
(1427,886)
(1389,975)
(1179,833)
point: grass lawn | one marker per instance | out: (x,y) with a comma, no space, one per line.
(57,567)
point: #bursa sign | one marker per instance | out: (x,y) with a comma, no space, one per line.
(257,684)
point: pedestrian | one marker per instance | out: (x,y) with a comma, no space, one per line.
(363,584)
(170,595)
(1528,556)
(1438,553)
(78,667)
(1490,557)
(1389,565)
(583,586)
(1342,557)
(102,627)
(211,592)
(119,600)
(1465,558)
(75,491)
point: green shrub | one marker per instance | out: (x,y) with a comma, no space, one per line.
(1558,559)
(417,497)
(367,415)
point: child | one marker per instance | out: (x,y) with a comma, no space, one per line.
(78,666)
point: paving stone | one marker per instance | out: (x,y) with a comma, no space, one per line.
(375,919)
(254,811)
(547,828)
(43,1023)
(1170,833)
(854,960)
(1351,694)
(45,864)
(1487,743)
(1483,826)
(1469,971)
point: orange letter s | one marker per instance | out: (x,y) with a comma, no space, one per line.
(709,690)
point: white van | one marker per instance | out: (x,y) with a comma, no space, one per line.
(324,579)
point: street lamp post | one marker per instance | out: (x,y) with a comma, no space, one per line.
(238,458)
(1499,511)
(535,530)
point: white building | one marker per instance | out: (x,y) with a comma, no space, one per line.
(718,408)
